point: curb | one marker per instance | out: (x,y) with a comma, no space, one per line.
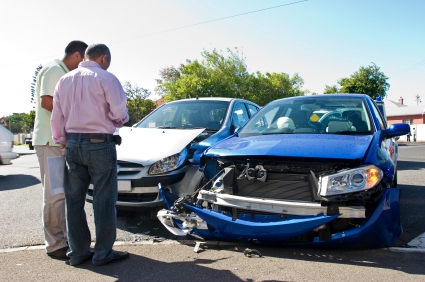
(415,248)
(407,250)
(130,243)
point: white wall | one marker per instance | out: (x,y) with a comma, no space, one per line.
(420,133)
(20,137)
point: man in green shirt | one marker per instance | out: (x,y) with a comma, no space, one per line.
(54,221)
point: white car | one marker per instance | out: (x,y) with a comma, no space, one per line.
(6,145)
(165,147)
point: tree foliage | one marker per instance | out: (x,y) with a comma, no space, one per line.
(137,103)
(225,76)
(367,80)
(33,84)
(331,89)
(21,122)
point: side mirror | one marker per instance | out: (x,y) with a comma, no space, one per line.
(397,129)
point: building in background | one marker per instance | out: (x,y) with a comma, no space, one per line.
(397,112)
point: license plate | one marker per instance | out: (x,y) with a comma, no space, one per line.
(124,186)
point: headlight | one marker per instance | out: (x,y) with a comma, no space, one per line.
(169,163)
(350,181)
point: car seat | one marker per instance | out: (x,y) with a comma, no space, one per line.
(355,118)
(195,119)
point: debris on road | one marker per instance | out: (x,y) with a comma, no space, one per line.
(250,252)
(198,245)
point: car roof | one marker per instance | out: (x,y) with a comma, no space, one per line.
(337,95)
(225,99)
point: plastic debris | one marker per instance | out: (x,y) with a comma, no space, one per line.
(250,252)
(158,239)
(198,245)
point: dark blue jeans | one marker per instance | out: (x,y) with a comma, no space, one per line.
(96,162)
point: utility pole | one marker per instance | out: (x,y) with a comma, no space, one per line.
(418,99)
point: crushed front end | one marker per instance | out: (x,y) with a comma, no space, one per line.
(296,201)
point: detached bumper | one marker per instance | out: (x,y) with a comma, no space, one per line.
(380,228)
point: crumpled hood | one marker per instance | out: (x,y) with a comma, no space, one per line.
(148,145)
(295,145)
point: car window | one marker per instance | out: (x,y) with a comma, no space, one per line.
(187,114)
(252,109)
(315,115)
(377,113)
(240,115)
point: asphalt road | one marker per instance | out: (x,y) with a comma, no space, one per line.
(411,180)
(174,260)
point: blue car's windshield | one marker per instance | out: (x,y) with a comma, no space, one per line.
(187,114)
(311,115)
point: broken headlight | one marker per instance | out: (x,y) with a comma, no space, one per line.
(169,163)
(350,181)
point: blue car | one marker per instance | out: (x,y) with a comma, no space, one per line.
(306,171)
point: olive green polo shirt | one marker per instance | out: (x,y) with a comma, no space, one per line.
(46,82)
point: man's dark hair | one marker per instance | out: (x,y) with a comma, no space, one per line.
(94,51)
(76,46)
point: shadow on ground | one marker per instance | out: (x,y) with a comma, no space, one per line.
(9,182)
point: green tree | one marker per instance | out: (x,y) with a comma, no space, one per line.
(367,80)
(168,74)
(33,84)
(21,122)
(331,89)
(225,76)
(137,103)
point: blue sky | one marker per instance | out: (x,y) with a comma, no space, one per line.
(321,40)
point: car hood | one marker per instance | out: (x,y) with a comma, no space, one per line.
(295,145)
(148,145)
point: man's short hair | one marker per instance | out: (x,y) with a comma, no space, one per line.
(94,51)
(76,46)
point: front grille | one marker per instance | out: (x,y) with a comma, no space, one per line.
(132,197)
(137,198)
(280,186)
(128,168)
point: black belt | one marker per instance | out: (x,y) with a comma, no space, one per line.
(98,136)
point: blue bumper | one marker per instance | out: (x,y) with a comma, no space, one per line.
(380,228)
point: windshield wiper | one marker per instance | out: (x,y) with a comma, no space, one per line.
(277,133)
(348,132)
(167,127)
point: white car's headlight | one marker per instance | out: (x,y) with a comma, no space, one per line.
(350,181)
(169,163)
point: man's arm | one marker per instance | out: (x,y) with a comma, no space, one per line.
(115,96)
(48,84)
(47,102)
(57,120)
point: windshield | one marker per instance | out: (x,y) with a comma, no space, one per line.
(187,114)
(312,115)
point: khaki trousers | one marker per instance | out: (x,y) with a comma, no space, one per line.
(54,219)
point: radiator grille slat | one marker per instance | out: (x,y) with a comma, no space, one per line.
(278,188)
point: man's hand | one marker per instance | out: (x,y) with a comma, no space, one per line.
(63,149)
